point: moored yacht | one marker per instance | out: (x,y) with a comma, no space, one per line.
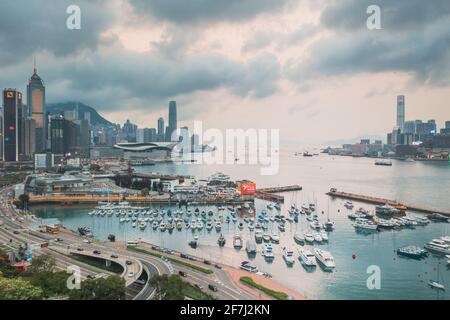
(325,259)
(237,242)
(307,258)
(288,256)
(299,238)
(438,246)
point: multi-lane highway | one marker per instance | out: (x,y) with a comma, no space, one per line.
(138,267)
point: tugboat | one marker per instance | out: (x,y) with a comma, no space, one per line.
(112,238)
(221,241)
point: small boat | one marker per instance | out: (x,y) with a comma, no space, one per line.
(315,225)
(142,225)
(436,217)
(412,252)
(288,256)
(268,251)
(325,259)
(258,236)
(155,225)
(309,238)
(218,226)
(134,225)
(193,244)
(250,247)
(162,226)
(122,220)
(274,238)
(281,227)
(438,246)
(277,206)
(299,238)
(179,226)
(328,226)
(324,236)
(318,237)
(307,258)
(241,226)
(436,285)
(237,242)
(209,226)
(349,205)
(266,237)
(221,241)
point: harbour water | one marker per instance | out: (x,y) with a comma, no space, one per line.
(421,183)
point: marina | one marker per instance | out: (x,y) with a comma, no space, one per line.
(352,250)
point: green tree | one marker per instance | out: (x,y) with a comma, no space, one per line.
(24,200)
(19,289)
(44,263)
(112,288)
(94,167)
(145,192)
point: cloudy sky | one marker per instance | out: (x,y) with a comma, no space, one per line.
(311,68)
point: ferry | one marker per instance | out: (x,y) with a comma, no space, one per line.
(307,258)
(325,259)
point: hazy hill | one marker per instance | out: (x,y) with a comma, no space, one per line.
(96,119)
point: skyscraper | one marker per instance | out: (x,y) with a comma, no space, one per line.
(12,125)
(36,109)
(161,129)
(401,112)
(172,120)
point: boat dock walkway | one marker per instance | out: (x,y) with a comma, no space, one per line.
(381,201)
(269,194)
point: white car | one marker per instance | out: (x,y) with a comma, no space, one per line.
(131,274)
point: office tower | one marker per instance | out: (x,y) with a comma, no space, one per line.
(447,124)
(29,138)
(36,109)
(129,131)
(160,129)
(409,127)
(172,120)
(140,135)
(57,134)
(12,125)
(400,112)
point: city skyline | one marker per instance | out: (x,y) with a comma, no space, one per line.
(254,63)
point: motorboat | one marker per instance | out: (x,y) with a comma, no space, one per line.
(325,259)
(142,225)
(266,237)
(221,241)
(436,285)
(281,227)
(315,225)
(328,226)
(364,224)
(318,237)
(299,238)
(218,226)
(268,251)
(309,238)
(237,242)
(412,252)
(288,256)
(275,238)
(258,236)
(438,246)
(162,226)
(349,205)
(436,217)
(324,236)
(386,210)
(307,258)
(446,239)
(250,247)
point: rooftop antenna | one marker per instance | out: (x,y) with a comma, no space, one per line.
(35,70)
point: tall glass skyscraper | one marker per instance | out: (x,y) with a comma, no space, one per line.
(161,129)
(401,112)
(12,125)
(172,120)
(36,109)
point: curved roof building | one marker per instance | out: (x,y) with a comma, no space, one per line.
(146,146)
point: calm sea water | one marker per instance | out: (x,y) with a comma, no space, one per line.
(425,184)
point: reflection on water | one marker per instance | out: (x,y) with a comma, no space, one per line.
(400,278)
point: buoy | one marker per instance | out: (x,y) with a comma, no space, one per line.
(354,256)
